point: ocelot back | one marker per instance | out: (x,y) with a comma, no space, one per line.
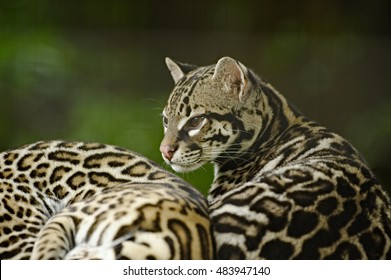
(284,187)
(73,200)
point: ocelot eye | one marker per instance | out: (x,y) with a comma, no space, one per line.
(165,121)
(195,122)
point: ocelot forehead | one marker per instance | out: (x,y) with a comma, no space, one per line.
(179,100)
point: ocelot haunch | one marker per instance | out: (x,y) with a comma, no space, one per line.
(73,200)
(284,186)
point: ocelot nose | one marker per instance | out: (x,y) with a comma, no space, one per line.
(168,151)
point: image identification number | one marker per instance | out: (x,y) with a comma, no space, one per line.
(246,270)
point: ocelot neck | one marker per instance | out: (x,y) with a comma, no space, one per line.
(279,120)
(277,117)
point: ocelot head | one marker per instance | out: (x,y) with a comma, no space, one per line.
(212,114)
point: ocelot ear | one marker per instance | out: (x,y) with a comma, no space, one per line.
(178,70)
(233,75)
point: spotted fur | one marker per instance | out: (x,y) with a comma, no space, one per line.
(73,200)
(284,187)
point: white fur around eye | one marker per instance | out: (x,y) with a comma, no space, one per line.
(182,123)
(194,132)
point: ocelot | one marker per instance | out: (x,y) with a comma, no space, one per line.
(284,187)
(74,200)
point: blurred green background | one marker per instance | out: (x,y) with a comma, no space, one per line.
(94,70)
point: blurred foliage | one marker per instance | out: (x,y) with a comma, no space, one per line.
(93,70)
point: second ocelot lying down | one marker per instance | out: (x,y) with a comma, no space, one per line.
(74,200)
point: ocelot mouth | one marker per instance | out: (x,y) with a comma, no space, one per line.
(182,168)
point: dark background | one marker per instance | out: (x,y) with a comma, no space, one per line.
(94,70)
